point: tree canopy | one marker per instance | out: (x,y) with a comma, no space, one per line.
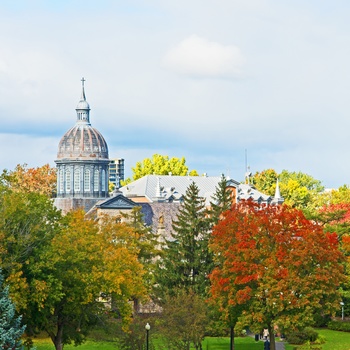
(276,264)
(160,165)
(186,260)
(40,180)
(298,189)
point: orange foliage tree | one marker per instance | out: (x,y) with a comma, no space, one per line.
(41,179)
(274,267)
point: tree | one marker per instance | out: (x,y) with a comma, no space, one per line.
(276,264)
(40,180)
(221,201)
(184,320)
(11,329)
(298,189)
(87,268)
(160,165)
(57,267)
(186,260)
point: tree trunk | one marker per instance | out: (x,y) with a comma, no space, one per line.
(58,338)
(272,337)
(232,338)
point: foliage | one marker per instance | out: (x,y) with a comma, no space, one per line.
(28,222)
(146,241)
(160,165)
(221,201)
(186,260)
(40,180)
(302,336)
(11,329)
(256,270)
(335,325)
(134,337)
(183,320)
(58,266)
(298,189)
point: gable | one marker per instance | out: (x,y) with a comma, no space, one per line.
(117,202)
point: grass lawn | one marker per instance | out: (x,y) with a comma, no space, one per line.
(208,344)
(334,340)
(246,343)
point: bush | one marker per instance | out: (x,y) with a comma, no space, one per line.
(343,326)
(301,337)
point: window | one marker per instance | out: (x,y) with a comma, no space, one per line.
(76,180)
(61,189)
(103,180)
(86,180)
(96,179)
(68,179)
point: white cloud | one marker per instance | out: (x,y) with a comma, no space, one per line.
(196,56)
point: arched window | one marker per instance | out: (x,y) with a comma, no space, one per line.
(87,180)
(96,179)
(103,180)
(77,180)
(68,179)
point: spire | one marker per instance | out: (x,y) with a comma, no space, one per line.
(278,199)
(82,97)
(83,108)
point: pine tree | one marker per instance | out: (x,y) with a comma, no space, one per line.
(10,325)
(187,260)
(221,201)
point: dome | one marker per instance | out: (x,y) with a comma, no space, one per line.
(83,105)
(82,141)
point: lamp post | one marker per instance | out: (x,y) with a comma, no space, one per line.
(147,327)
(342,310)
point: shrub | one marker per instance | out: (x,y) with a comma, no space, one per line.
(301,337)
(310,333)
(343,326)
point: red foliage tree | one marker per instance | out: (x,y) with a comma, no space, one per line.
(275,265)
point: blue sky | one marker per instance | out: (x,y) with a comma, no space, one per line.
(202,79)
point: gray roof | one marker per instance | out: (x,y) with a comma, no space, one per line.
(158,188)
(168,188)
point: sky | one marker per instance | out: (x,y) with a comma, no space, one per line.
(227,83)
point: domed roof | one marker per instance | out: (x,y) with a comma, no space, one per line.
(82,140)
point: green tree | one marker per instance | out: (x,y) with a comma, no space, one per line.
(265,181)
(160,165)
(221,201)
(11,329)
(298,189)
(186,259)
(86,268)
(184,320)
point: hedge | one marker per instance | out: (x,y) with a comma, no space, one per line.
(343,326)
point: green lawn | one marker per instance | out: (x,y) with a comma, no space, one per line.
(334,341)
(209,344)
(246,343)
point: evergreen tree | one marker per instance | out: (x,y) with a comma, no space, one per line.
(221,201)
(187,261)
(10,325)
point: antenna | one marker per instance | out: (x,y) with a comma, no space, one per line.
(248,173)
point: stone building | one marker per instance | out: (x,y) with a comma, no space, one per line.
(82,163)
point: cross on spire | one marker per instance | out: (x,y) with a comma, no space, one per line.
(83,98)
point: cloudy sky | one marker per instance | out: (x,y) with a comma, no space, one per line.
(203,79)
